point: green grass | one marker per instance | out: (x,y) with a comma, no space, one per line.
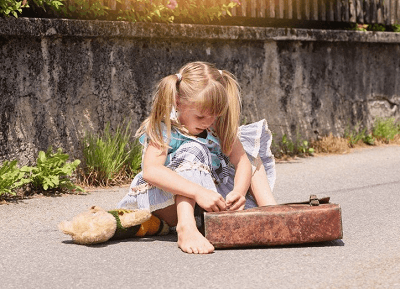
(356,134)
(386,129)
(110,158)
(288,147)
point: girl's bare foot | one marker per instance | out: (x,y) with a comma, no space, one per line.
(191,241)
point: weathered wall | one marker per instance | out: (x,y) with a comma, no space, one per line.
(61,78)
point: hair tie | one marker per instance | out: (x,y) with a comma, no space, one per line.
(179,77)
(220,72)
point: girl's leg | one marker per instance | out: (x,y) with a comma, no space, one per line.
(168,214)
(181,215)
(190,240)
(260,188)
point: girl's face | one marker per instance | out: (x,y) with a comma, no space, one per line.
(193,119)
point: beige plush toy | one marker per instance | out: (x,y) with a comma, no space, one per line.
(98,226)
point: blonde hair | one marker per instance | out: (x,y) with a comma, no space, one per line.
(215,92)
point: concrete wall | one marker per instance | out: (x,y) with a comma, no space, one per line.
(61,78)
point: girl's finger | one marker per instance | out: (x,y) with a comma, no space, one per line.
(221,204)
(237,206)
(234,207)
(215,208)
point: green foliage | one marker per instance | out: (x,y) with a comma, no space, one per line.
(51,171)
(356,134)
(385,129)
(134,159)
(14,7)
(83,9)
(180,10)
(110,157)
(376,27)
(369,139)
(11,177)
(10,7)
(396,28)
(286,147)
(138,10)
(304,148)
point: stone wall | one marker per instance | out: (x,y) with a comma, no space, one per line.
(62,78)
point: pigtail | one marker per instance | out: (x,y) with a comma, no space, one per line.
(227,125)
(163,103)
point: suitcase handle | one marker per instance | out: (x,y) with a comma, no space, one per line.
(313,201)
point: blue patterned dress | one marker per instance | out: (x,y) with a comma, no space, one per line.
(201,160)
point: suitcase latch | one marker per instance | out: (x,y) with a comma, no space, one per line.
(314,200)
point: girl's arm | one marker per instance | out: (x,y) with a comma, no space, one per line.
(157,174)
(236,200)
(258,181)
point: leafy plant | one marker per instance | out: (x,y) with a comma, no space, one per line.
(110,157)
(376,27)
(51,171)
(83,9)
(136,11)
(286,147)
(385,129)
(356,135)
(181,10)
(10,7)
(14,7)
(396,28)
(304,148)
(369,139)
(11,177)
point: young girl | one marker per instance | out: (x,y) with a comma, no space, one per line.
(195,153)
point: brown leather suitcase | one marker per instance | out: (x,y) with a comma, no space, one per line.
(295,223)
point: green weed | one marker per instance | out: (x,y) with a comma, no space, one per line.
(385,129)
(356,134)
(137,11)
(134,159)
(52,171)
(11,177)
(376,27)
(110,158)
(396,28)
(286,147)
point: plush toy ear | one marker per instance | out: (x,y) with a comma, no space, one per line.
(66,228)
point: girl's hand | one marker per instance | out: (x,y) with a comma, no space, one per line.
(235,201)
(210,201)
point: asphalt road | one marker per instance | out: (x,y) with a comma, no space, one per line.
(366,183)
